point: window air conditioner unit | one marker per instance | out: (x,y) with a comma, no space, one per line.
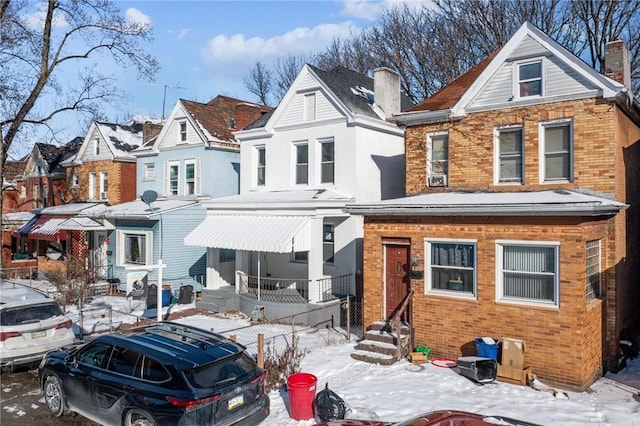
(438,180)
(103,195)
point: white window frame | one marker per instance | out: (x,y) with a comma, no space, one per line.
(329,243)
(183,131)
(121,234)
(497,131)
(297,165)
(75,180)
(92,185)
(259,167)
(169,165)
(23,192)
(104,183)
(593,271)
(429,266)
(149,171)
(517,80)
(45,199)
(431,161)
(500,297)
(195,162)
(310,107)
(36,196)
(542,126)
(323,163)
(96,146)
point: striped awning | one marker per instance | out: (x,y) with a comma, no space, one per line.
(43,228)
(276,234)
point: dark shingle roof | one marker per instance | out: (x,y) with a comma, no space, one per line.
(54,155)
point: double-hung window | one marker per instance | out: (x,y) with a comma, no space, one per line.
(528,272)
(149,171)
(75,180)
(593,289)
(36,196)
(328,242)
(556,146)
(104,185)
(92,186)
(192,177)
(529,78)
(96,146)
(509,154)
(451,266)
(45,200)
(261,165)
(302,163)
(437,158)
(327,161)
(173,176)
(183,131)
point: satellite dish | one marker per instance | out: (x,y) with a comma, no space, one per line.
(149,196)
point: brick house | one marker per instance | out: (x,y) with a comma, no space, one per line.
(519,213)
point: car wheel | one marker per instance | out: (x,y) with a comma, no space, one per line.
(53,395)
(138,418)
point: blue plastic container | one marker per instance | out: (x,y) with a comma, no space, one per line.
(486,350)
(166,297)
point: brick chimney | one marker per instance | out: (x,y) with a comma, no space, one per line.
(616,62)
(386,90)
(150,131)
(246,114)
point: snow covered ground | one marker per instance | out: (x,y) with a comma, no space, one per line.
(403,390)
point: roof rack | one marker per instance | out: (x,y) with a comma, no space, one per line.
(188,334)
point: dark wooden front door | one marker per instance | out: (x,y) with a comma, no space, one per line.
(396,276)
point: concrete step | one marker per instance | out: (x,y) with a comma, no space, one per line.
(373,357)
(377,347)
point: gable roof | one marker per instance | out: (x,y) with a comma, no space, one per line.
(452,102)
(53,156)
(354,90)
(215,121)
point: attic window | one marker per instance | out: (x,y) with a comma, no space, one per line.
(183,131)
(364,93)
(529,76)
(96,146)
(310,107)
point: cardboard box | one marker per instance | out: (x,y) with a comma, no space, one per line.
(513,375)
(513,353)
(417,357)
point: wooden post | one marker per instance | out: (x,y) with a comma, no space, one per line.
(261,350)
(233,337)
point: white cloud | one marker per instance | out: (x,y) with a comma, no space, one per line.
(36,18)
(223,50)
(362,9)
(183,33)
(134,15)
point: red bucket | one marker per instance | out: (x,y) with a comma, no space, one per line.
(302,390)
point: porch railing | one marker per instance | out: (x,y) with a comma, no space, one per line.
(334,287)
(289,290)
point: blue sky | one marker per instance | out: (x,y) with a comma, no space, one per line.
(207,48)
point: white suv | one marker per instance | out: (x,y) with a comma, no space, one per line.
(31,324)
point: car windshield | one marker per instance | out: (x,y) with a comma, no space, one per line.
(222,372)
(29,314)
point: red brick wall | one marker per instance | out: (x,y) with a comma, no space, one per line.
(121,177)
(564,343)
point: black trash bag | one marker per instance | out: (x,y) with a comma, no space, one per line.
(328,405)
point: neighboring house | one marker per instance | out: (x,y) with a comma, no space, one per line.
(35,182)
(285,240)
(193,157)
(74,231)
(515,221)
(104,169)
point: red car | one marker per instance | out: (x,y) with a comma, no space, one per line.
(435,418)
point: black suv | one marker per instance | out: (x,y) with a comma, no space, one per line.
(163,374)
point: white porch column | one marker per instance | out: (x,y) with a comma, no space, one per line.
(214,279)
(315,264)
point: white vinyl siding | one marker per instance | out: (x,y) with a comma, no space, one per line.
(528,272)
(451,266)
(593,270)
(509,154)
(556,151)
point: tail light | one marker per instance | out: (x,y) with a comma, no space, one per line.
(260,380)
(4,335)
(66,324)
(194,403)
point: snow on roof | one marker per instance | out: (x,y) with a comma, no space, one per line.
(17,217)
(264,197)
(84,209)
(558,202)
(139,209)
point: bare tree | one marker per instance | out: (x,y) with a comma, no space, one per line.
(258,82)
(286,70)
(49,49)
